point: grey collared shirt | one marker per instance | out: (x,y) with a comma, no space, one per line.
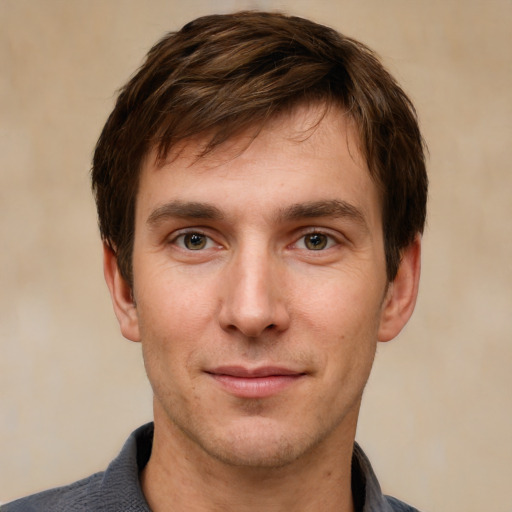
(117,489)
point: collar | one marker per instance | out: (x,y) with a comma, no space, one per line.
(121,490)
(366,490)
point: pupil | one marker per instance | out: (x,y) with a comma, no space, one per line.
(195,241)
(316,241)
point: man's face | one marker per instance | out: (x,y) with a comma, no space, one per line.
(260,290)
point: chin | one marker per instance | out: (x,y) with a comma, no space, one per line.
(258,446)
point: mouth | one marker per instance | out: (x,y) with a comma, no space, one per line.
(259,382)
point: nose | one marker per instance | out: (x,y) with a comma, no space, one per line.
(253,302)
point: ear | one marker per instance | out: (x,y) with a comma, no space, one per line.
(402,293)
(121,295)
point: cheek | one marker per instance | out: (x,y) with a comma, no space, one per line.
(341,304)
(344,320)
(171,300)
(168,345)
(174,315)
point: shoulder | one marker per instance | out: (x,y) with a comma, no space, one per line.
(399,506)
(115,489)
(76,497)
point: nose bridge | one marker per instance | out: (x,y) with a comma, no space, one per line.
(252,300)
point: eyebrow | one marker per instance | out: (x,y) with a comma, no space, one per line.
(334,208)
(184,210)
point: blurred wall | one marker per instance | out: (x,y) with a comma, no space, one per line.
(437,417)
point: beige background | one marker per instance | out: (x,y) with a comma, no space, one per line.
(437,417)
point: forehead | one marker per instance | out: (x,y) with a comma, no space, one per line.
(297,123)
(311,153)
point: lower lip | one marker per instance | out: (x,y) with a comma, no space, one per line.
(256,387)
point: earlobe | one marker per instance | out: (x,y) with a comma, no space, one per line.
(121,295)
(402,293)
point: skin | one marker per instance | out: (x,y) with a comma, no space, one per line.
(227,275)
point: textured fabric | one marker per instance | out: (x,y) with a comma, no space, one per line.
(118,489)
(364,478)
(115,490)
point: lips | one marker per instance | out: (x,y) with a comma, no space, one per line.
(261,382)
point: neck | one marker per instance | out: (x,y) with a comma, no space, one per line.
(180,474)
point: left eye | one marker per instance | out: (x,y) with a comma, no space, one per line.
(315,242)
(193,241)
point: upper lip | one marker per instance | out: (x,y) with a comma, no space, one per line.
(247,373)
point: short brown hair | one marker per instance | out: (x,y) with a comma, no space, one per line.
(222,74)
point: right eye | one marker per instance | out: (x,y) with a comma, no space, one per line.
(194,241)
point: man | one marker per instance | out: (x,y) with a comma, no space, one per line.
(261,193)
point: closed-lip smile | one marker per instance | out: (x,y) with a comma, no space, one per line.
(259,382)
